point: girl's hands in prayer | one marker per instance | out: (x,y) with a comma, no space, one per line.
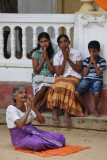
(44,52)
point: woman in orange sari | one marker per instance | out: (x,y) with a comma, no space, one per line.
(67,63)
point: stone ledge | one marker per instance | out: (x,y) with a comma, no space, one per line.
(88,123)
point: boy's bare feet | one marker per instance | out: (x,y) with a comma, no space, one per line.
(55,115)
(66,118)
(97,114)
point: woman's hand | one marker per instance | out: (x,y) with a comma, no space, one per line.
(66,53)
(39,117)
(21,122)
(30,105)
(29,102)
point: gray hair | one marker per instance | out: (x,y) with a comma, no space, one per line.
(15,90)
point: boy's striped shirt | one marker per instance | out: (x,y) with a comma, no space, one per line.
(101,64)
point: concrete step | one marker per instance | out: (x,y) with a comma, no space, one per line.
(88,123)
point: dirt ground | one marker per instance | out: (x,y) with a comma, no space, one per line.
(95,139)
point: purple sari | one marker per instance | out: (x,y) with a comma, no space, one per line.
(35,139)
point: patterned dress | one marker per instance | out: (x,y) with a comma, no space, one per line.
(45,71)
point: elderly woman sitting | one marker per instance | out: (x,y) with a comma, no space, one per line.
(23,134)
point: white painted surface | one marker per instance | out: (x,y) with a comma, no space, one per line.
(86,28)
(91,27)
(15,74)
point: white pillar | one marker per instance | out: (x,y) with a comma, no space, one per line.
(68,33)
(24,43)
(34,38)
(1,43)
(13,43)
(87,6)
(56,34)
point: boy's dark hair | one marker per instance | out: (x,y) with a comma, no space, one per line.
(62,35)
(16,88)
(94,44)
(50,50)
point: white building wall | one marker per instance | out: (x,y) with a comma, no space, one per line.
(91,27)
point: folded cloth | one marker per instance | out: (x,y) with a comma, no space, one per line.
(68,149)
(101,3)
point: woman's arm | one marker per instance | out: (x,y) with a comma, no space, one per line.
(21,122)
(76,67)
(30,105)
(38,67)
(39,117)
(59,70)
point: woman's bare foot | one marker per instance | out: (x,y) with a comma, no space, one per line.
(55,115)
(66,118)
(97,114)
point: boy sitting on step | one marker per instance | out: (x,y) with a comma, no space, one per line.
(93,67)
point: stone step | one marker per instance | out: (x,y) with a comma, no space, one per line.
(88,123)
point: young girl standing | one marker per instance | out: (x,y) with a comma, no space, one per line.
(42,65)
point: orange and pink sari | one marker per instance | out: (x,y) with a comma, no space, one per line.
(61,94)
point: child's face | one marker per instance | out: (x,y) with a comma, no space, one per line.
(94,52)
(44,43)
(21,95)
(63,43)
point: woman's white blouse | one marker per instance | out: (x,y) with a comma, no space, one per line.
(13,113)
(74,56)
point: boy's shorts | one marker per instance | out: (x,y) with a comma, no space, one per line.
(86,84)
